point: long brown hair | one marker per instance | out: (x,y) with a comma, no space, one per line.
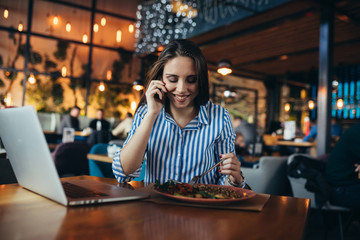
(182,48)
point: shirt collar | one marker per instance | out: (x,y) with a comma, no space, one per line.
(201,118)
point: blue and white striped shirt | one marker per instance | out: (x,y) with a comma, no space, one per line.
(180,154)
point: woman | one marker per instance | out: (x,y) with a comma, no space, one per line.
(176,129)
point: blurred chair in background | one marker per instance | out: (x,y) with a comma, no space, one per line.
(71,158)
(269,177)
(305,174)
(104,169)
(98,168)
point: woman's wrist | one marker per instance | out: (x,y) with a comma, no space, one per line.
(240,184)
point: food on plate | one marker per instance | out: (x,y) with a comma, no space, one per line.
(198,190)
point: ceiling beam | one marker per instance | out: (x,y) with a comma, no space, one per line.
(254,29)
(297,53)
(236,72)
(74,5)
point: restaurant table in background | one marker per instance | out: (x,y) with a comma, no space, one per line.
(100,157)
(286,147)
(25,215)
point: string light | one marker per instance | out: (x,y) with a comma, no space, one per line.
(96,27)
(103,21)
(108,75)
(101,87)
(131,28)
(63,71)
(85,38)
(68,27)
(118,36)
(6,13)
(56,20)
(32,79)
(158,24)
(159,21)
(20,27)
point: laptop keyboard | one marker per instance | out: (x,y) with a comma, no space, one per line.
(75,191)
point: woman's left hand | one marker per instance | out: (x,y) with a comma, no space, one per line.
(231,166)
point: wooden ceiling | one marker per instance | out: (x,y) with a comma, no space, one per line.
(283,40)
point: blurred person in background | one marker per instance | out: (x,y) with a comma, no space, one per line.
(336,130)
(343,167)
(121,131)
(70,120)
(246,129)
(100,129)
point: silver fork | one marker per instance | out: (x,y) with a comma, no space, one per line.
(196,178)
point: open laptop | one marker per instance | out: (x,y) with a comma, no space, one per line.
(28,152)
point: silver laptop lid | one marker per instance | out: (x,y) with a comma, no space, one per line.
(28,152)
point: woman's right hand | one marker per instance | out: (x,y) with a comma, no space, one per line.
(154,103)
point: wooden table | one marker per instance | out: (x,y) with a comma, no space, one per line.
(25,215)
(100,157)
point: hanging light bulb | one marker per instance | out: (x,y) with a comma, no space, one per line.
(287,107)
(6,13)
(96,27)
(131,28)
(224,67)
(32,79)
(56,20)
(138,85)
(118,36)
(101,87)
(20,27)
(63,71)
(340,103)
(311,104)
(85,38)
(68,27)
(108,75)
(103,21)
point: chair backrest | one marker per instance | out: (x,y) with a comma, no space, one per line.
(270,140)
(99,148)
(298,184)
(71,158)
(269,177)
(98,168)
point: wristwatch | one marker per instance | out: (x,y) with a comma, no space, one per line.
(240,185)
